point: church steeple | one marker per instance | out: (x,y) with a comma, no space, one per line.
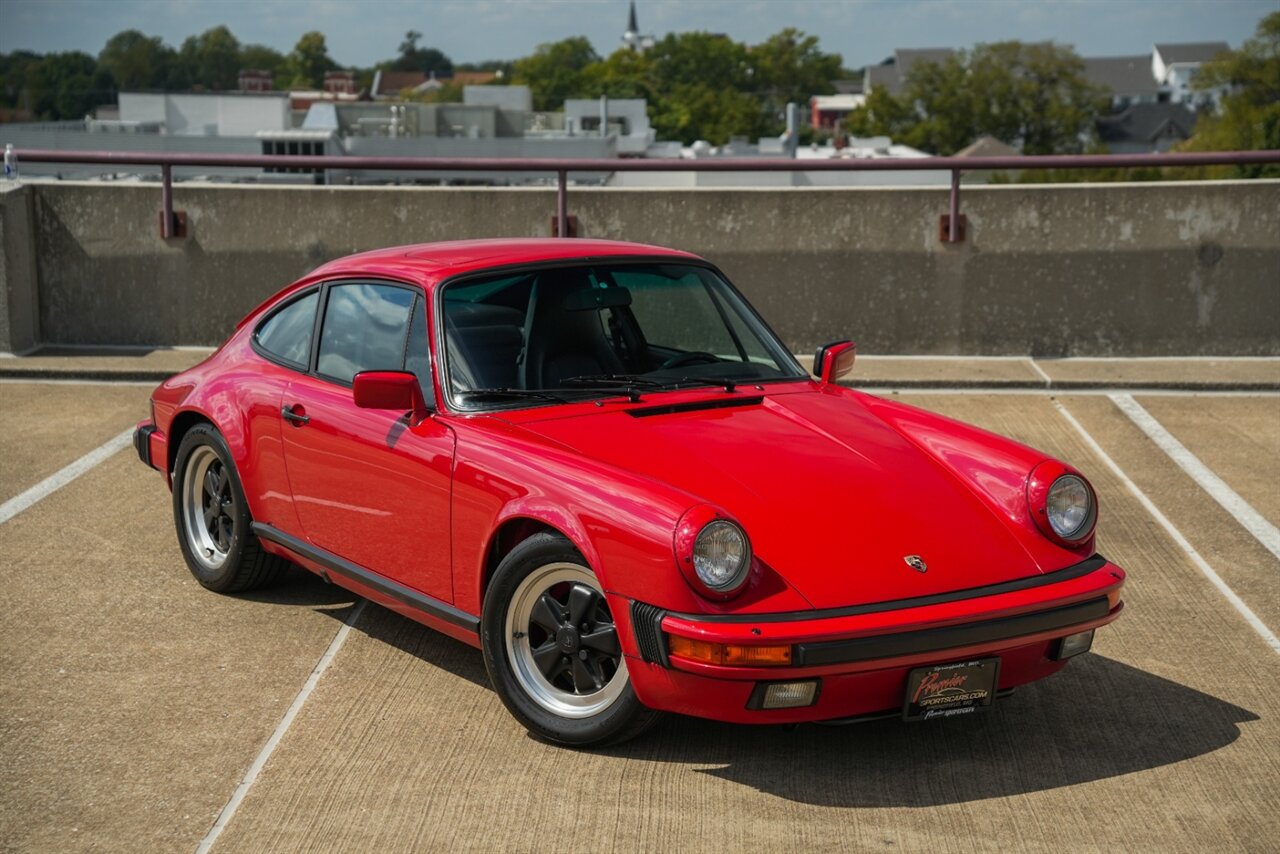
(632,38)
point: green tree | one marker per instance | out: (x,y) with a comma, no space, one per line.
(555,71)
(139,61)
(715,61)
(262,58)
(212,59)
(68,86)
(424,59)
(694,111)
(1033,96)
(1249,118)
(15,69)
(309,61)
(789,67)
(625,73)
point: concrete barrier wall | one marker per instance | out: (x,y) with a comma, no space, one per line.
(1107,270)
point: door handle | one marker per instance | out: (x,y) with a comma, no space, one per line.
(296,418)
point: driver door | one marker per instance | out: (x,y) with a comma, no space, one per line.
(368,487)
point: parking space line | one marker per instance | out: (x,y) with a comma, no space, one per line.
(1203,565)
(1253,522)
(64,475)
(1048,381)
(73,381)
(259,762)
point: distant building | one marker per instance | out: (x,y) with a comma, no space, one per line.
(391,85)
(1145,128)
(1128,78)
(340,82)
(255,80)
(473,78)
(988,146)
(632,37)
(203,114)
(625,120)
(1174,66)
(891,75)
(826,110)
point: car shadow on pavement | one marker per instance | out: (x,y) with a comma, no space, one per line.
(1099,718)
(300,587)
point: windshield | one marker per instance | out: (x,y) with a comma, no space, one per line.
(573,332)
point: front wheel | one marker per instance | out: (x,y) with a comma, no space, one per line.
(551,648)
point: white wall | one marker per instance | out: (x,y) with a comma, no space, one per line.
(207,115)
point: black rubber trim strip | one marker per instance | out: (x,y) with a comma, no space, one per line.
(418,601)
(142,443)
(646,623)
(694,406)
(934,640)
(1085,567)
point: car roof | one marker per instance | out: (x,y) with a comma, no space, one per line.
(428,263)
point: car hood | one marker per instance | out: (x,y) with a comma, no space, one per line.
(833,498)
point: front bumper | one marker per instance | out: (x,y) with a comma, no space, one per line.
(152,446)
(862,655)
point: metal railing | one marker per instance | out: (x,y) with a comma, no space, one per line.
(561,167)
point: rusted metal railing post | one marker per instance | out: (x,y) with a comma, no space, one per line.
(562,203)
(953,222)
(166,201)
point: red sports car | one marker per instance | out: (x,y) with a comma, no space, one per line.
(595,462)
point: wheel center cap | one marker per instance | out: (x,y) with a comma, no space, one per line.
(567,639)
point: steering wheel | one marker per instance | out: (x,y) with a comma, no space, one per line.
(691,358)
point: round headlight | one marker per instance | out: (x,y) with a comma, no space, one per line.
(721,555)
(1069,506)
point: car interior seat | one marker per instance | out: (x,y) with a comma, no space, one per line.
(564,341)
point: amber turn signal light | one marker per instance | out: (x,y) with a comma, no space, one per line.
(738,655)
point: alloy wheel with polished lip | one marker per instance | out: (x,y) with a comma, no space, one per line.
(209,507)
(552,649)
(562,642)
(212,517)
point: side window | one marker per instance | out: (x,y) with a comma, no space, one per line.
(417,356)
(286,334)
(364,329)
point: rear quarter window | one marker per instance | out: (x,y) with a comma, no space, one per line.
(286,333)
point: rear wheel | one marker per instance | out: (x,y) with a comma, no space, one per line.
(551,648)
(212,517)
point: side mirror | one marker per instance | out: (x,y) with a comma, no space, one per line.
(390,390)
(834,361)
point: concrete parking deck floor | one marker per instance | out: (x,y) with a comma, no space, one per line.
(135,702)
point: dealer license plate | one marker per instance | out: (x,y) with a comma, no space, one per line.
(947,690)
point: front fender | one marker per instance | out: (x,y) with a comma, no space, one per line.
(622,523)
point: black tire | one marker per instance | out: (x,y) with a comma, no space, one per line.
(232,560)
(549,564)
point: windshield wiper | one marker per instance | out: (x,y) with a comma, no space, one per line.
(607,380)
(568,396)
(724,382)
(501,393)
(638,381)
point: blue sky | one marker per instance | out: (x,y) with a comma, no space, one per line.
(362,32)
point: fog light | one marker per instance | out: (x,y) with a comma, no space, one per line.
(1073,645)
(784,695)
